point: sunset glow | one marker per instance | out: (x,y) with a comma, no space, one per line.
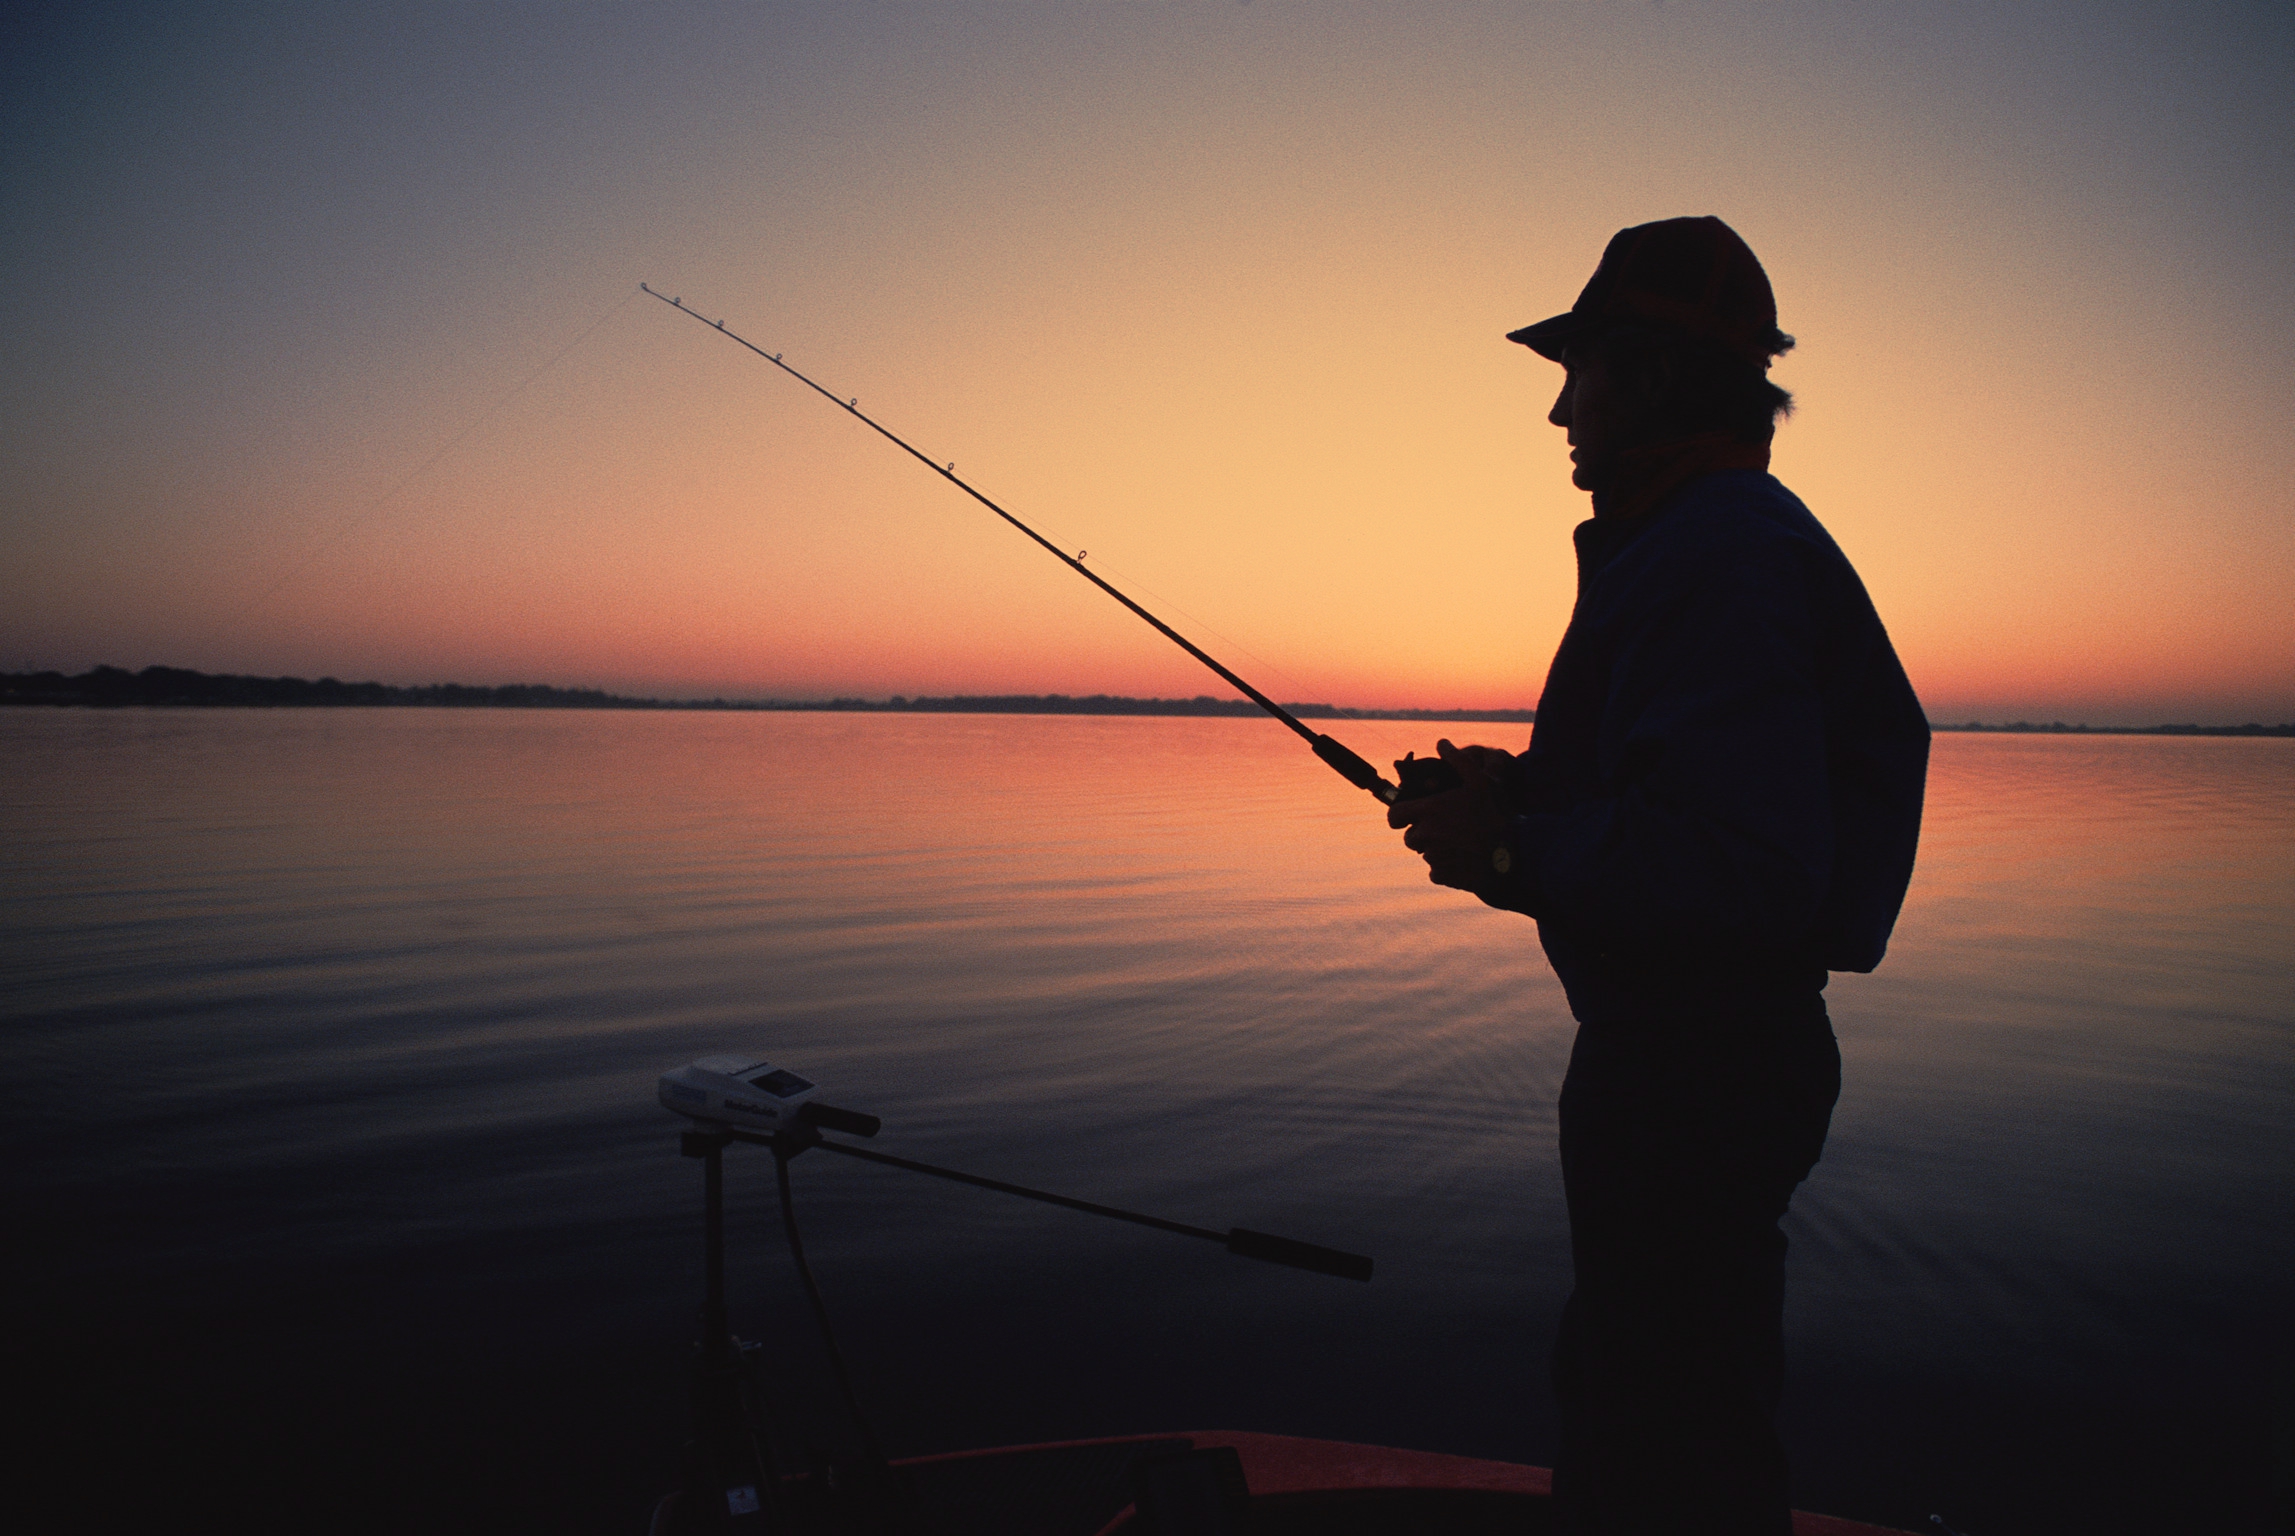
(1214,292)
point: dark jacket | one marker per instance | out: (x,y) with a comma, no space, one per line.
(1723,787)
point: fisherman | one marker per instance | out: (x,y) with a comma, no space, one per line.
(1719,804)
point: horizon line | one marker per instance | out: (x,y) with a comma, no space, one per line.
(106,686)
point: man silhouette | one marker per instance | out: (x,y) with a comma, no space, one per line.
(1719,804)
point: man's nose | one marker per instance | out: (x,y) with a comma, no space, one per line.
(1560,414)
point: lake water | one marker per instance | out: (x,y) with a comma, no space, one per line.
(340,1190)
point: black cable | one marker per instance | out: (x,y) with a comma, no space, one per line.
(868,1436)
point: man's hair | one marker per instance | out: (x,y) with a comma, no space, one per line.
(1697,385)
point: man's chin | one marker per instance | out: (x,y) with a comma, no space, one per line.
(1588,476)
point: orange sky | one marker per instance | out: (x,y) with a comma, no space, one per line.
(1216,292)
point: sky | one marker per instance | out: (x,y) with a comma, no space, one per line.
(324,352)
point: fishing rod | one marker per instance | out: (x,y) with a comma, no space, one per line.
(1420,776)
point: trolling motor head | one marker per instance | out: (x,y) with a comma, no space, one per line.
(745,1098)
(748,1093)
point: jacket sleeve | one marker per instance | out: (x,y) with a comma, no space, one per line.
(1710,840)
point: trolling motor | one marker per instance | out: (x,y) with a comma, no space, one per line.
(733,1482)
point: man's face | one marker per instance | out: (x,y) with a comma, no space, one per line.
(1601,412)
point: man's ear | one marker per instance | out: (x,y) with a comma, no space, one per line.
(1654,381)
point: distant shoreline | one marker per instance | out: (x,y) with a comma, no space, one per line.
(180,688)
(2059,728)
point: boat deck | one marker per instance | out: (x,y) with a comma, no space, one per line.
(1200,1483)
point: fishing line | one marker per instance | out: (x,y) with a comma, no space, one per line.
(453,443)
(1424,777)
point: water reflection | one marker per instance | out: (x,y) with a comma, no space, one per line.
(368,1004)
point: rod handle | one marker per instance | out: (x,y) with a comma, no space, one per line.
(1353,769)
(1289,1250)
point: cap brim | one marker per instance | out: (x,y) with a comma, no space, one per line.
(1548,337)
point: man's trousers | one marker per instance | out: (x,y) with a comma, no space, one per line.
(1682,1141)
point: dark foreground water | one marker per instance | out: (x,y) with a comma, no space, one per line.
(339,1198)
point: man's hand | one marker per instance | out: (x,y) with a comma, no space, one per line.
(1455,830)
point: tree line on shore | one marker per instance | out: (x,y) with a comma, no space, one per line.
(175,687)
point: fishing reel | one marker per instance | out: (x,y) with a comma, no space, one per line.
(1418,777)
